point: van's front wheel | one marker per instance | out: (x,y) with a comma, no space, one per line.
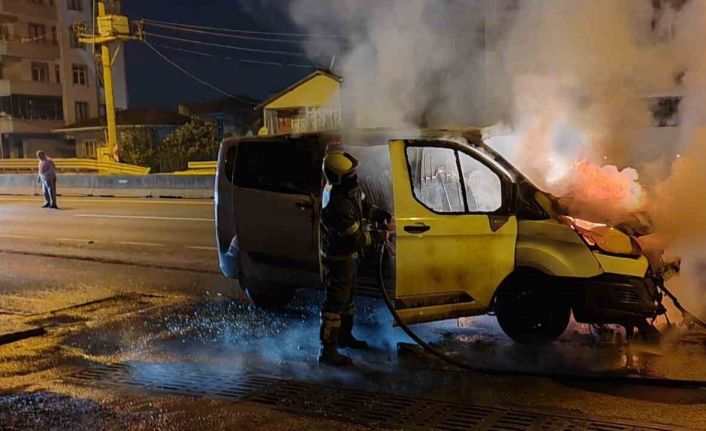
(530,311)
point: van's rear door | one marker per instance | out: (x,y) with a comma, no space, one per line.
(225,221)
(278,184)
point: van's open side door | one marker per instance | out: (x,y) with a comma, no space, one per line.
(455,229)
(278,184)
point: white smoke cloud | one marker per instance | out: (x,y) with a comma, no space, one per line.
(571,78)
(407,62)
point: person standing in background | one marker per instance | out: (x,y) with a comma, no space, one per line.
(47,176)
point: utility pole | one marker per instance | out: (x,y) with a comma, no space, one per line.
(111,28)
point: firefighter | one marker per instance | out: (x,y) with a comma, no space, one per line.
(346,234)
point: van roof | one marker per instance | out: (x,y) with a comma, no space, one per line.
(472,134)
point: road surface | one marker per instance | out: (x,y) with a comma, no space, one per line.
(142,332)
(133,230)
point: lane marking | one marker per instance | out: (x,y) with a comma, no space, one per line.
(144,217)
(208,202)
(109,262)
(75,239)
(201,247)
(146,244)
(17,236)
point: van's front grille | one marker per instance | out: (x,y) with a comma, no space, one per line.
(627,296)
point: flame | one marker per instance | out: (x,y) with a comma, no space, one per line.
(601,192)
(607,183)
(558,157)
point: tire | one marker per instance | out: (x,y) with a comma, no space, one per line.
(269,296)
(529,311)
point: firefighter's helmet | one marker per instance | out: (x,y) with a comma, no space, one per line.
(339,165)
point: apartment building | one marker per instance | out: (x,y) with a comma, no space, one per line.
(47,78)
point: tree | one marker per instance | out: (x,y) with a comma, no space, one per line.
(139,146)
(194,141)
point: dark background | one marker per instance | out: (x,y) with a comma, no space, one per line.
(154,83)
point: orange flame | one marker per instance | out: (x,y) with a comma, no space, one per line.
(602,192)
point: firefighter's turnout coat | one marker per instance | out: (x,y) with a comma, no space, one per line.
(345,238)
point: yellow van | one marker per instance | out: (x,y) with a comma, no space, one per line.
(473,235)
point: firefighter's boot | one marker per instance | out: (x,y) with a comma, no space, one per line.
(346,338)
(330,328)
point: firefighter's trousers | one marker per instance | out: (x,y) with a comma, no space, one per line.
(340,279)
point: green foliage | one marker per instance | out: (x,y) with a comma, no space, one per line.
(139,146)
(194,141)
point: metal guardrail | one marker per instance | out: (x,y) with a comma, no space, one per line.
(200,168)
(73,165)
(211,164)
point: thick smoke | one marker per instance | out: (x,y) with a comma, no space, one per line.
(572,81)
(678,204)
(409,62)
(579,73)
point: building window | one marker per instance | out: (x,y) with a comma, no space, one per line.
(54,36)
(37,32)
(27,107)
(73,39)
(57,74)
(102,111)
(40,72)
(665,111)
(4,32)
(81,110)
(37,1)
(80,73)
(90,149)
(75,4)
(322,118)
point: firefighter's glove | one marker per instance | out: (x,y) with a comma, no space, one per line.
(380,235)
(382,217)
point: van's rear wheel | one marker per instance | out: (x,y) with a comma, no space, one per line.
(530,311)
(270,296)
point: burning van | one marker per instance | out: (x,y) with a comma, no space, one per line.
(473,235)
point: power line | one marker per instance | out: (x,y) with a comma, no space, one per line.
(196,78)
(219,45)
(232,30)
(225,57)
(228,35)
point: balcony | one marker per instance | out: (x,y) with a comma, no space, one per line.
(13,46)
(29,9)
(18,125)
(17,86)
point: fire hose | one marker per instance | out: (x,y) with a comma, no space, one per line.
(685,313)
(380,248)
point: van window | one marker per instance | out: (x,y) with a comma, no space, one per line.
(483,186)
(287,166)
(435,178)
(229,163)
(439,185)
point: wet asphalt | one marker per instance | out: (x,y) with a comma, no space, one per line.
(163,323)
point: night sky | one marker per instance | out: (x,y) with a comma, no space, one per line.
(154,83)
